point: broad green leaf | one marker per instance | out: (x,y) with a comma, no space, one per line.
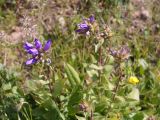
(6,87)
(69,76)
(58,86)
(53,111)
(134,94)
(80,118)
(138,116)
(103,105)
(143,64)
(108,68)
(74,100)
(73,76)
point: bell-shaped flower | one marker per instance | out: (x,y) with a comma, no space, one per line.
(86,25)
(47,45)
(36,50)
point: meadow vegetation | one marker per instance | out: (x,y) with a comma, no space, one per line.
(79,60)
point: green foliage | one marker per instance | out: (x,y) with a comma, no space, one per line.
(74,100)
(73,76)
(77,84)
(9,93)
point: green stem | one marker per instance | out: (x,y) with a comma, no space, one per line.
(100,62)
(91,117)
(48,78)
(83,55)
(119,71)
(100,56)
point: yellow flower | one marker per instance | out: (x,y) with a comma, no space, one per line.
(133,80)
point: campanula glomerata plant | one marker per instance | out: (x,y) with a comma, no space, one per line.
(106,65)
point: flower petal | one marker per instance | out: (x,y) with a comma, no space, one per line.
(37,43)
(27,46)
(33,51)
(83,26)
(81,31)
(91,19)
(31,61)
(47,45)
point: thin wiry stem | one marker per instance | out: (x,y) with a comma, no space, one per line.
(91,118)
(100,62)
(100,56)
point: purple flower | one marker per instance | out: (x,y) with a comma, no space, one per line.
(33,51)
(91,19)
(31,61)
(38,44)
(28,46)
(36,50)
(121,54)
(47,45)
(85,26)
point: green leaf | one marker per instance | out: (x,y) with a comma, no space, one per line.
(111,59)
(108,69)
(134,94)
(6,86)
(93,66)
(120,99)
(143,64)
(74,100)
(80,118)
(109,84)
(69,75)
(102,106)
(138,116)
(73,76)
(53,112)
(92,73)
(58,87)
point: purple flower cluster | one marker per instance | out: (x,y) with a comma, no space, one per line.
(36,50)
(85,26)
(122,54)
